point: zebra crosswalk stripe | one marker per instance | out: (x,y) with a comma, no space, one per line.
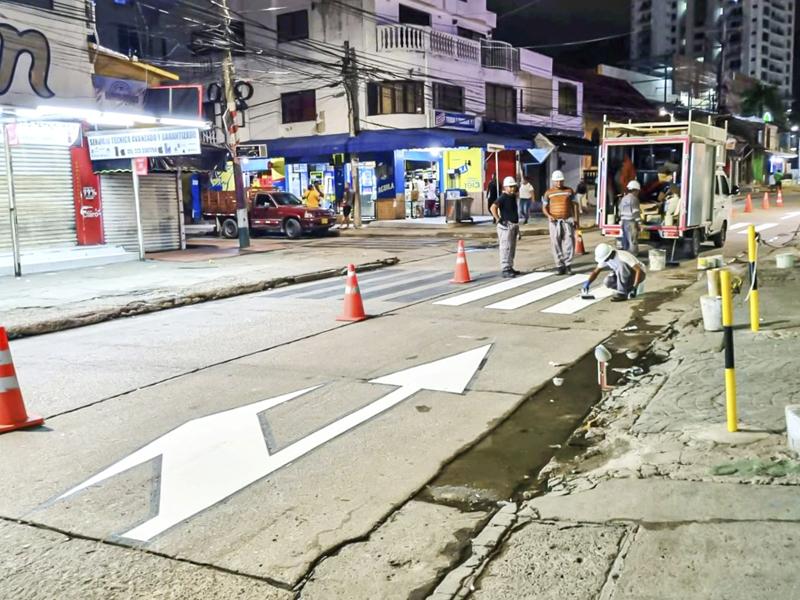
(573,305)
(740,226)
(537,294)
(791,215)
(492,290)
(760,228)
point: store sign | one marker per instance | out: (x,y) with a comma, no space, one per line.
(44,133)
(86,195)
(140,166)
(119,95)
(451,120)
(132,143)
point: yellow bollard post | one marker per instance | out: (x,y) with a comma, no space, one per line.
(752,257)
(730,370)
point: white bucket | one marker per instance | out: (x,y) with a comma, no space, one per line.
(784,261)
(657,259)
(711,307)
(793,426)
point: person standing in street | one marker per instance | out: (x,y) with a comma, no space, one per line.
(347,206)
(491,193)
(630,216)
(312,197)
(505,213)
(563,213)
(525,200)
(582,192)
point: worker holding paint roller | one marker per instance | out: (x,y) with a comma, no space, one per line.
(627,273)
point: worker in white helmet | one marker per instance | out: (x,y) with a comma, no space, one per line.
(561,207)
(627,272)
(630,217)
(505,213)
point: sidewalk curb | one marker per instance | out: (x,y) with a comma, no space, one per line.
(181,298)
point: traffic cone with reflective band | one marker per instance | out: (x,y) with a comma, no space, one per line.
(748,204)
(12,408)
(353,306)
(579,247)
(779,201)
(462,270)
(765,201)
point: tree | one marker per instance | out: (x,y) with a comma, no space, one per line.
(762,98)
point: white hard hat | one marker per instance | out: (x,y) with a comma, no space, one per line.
(634,185)
(557,176)
(602,252)
(509,182)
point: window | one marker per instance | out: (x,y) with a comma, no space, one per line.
(536,98)
(468,33)
(264,201)
(299,106)
(392,97)
(448,97)
(128,40)
(501,103)
(412,16)
(567,99)
(293,26)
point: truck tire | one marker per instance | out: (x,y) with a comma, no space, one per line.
(292,228)
(720,237)
(692,243)
(230,229)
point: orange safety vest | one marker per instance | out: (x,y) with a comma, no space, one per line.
(560,202)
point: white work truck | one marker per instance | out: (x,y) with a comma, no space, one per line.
(686,197)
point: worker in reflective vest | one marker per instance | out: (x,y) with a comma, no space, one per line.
(561,208)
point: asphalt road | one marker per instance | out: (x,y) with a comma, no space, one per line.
(232,445)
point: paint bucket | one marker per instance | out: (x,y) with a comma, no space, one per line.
(784,261)
(711,307)
(715,262)
(702,263)
(657,259)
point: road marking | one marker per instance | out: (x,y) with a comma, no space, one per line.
(532,296)
(740,226)
(791,215)
(211,458)
(760,228)
(491,290)
(573,305)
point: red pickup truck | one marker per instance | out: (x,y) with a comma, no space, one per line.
(268,210)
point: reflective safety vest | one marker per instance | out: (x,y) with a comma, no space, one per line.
(559,202)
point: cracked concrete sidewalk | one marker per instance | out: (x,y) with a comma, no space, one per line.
(661,501)
(47,302)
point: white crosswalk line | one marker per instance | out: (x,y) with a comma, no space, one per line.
(791,215)
(573,305)
(740,226)
(491,290)
(532,296)
(760,228)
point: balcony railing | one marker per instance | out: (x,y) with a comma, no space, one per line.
(499,55)
(413,38)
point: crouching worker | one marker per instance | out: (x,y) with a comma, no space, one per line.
(627,272)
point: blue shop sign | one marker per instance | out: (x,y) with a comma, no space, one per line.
(451,120)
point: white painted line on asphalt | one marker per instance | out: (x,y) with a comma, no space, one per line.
(791,215)
(491,290)
(740,226)
(206,460)
(521,300)
(573,305)
(760,228)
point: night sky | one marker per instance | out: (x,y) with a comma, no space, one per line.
(558,21)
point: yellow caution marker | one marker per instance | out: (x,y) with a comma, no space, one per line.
(752,257)
(730,370)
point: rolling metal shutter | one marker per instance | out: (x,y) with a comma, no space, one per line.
(5,217)
(160,220)
(43,195)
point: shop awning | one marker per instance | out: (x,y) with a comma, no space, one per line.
(571,144)
(212,159)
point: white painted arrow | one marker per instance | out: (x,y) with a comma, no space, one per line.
(208,459)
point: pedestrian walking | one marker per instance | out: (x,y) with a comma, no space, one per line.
(347,206)
(526,194)
(627,272)
(630,216)
(563,213)
(505,213)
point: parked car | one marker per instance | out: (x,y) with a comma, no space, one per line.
(268,210)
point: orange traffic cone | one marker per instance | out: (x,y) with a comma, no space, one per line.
(779,201)
(12,408)
(353,306)
(462,270)
(748,204)
(579,247)
(765,201)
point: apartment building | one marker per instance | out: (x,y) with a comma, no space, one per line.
(434,92)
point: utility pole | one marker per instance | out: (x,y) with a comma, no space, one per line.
(350,76)
(229,77)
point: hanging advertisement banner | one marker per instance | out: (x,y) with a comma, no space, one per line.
(88,203)
(133,143)
(43,133)
(140,165)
